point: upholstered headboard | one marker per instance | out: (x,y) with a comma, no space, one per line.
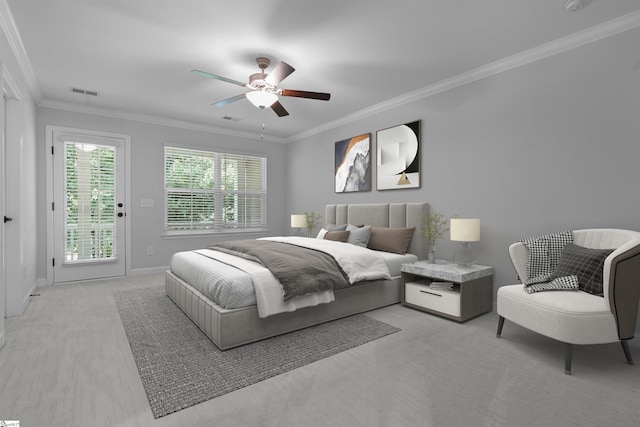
(385,215)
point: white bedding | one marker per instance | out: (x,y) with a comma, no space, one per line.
(201,269)
(267,288)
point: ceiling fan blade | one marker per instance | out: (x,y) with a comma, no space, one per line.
(279,109)
(279,73)
(229,100)
(213,76)
(304,94)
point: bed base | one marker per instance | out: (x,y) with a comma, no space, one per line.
(232,328)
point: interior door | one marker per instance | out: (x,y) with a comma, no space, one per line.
(3,276)
(88,208)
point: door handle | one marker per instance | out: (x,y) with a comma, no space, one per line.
(7,219)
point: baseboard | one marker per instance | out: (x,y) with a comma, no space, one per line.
(146,271)
(17,311)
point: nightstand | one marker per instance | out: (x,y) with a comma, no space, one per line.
(470,296)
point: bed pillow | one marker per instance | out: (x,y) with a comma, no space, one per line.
(338,236)
(330,227)
(359,236)
(391,239)
(586,263)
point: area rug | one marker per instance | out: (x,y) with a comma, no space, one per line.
(180,367)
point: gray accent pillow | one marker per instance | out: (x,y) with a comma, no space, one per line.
(586,263)
(333,227)
(391,239)
(359,236)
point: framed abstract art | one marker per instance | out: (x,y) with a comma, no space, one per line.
(353,164)
(398,157)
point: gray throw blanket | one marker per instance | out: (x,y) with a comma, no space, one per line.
(300,270)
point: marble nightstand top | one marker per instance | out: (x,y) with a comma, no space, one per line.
(446,270)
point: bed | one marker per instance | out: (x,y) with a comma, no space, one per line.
(229,328)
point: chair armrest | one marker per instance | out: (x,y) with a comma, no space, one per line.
(519,254)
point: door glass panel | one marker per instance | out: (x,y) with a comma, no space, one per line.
(89,227)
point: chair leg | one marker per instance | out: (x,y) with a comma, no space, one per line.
(500,325)
(627,353)
(567,359)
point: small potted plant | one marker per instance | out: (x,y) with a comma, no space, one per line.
(435,225)
(313,220)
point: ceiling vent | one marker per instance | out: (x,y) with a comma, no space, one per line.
(231,119)
(84,92)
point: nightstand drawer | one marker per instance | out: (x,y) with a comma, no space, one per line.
(443,301)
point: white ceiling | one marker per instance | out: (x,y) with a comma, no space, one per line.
(138,54)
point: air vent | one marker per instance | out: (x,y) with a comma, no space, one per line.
(84,91)
(231,119)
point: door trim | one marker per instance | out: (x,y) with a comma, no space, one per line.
(49,131)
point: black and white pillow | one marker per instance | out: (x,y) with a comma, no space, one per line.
(544,253)
(564,283)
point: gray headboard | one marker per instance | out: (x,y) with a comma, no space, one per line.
(385,215)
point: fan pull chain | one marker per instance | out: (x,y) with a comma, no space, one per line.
(262,134)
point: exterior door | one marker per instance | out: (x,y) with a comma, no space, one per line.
(88,208)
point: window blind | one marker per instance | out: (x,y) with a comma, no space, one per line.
(211,191)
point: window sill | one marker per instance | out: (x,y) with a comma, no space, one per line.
(196,234)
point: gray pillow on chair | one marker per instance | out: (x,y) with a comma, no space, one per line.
(586,263)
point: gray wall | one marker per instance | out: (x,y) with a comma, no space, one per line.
(147,181)
(544,147)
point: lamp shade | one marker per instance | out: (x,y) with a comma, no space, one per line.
(465,230)
(298,221)
(262,99)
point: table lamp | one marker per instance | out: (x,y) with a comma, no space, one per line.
(299,221)
(464,231)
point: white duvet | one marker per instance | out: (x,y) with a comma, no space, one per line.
(360,264)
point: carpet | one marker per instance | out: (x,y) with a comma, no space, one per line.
(180,367)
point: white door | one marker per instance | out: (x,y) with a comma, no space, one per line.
(88,206)
(3,275)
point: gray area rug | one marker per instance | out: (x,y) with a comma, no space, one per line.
(180,367)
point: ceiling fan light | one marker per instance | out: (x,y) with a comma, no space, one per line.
(262,99)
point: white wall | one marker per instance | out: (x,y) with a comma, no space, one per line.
(544,147)
(147,181)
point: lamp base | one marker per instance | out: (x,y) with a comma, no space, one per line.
(464,255)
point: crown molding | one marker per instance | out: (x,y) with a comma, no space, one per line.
(10,31)
(598,32)
(117,114)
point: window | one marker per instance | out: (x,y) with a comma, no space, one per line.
(214,192)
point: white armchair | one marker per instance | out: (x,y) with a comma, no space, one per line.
(574,316)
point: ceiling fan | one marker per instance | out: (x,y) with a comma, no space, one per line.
(264,91)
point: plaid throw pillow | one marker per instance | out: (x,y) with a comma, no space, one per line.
(544,253)
(585,263)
